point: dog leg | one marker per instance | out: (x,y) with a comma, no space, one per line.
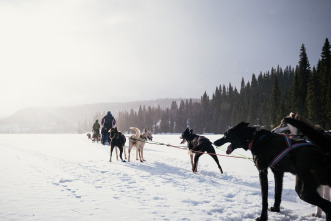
(212,153)
(140,154)
(278,175)
(263,175)
(116,153)
(124,149)
(195,164)
(129,152)
(309,194)
(191,157)
(111,152)
(137,151)
(121,152)
(318,213)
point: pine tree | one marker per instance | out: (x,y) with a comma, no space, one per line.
(205,113)
(303,77)
(173,116)
(149,118)
(181,121)
(253,99)
(275,103)
(294,101)
(324,71)
(313,98)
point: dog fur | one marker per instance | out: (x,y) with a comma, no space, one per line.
(315,134)
(310,164)
(138,141)
(198,145)
(287,128)
(117,139)
(96,137)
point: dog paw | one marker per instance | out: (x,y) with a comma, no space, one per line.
(274,209)
(261,219)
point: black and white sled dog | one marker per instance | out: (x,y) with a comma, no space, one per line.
(287,128)
(138,141)
(198,145)
(281,153)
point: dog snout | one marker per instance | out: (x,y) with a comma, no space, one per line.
(220,142)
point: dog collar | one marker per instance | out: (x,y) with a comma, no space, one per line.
(250,144)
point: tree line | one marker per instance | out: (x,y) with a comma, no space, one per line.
(262,101)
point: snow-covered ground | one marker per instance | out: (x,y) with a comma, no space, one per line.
(67,177)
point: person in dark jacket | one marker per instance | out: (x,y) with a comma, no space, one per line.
(107,122)
(96,131)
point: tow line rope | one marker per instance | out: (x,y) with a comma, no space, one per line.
(194,151)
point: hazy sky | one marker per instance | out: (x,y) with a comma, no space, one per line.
(68,52)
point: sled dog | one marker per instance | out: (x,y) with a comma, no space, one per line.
(138,141)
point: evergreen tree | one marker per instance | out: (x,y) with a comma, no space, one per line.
(173,116)
(205,114)
(313,98)
(149,118)
(303,77)
(275,103)
(165,123)
(294,101)
(324,71)
(181,121)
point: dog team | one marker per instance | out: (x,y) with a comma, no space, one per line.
(295,146)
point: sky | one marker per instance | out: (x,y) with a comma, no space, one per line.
(71,52)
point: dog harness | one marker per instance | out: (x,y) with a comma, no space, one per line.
(288,149)
(143,138)
(196,141)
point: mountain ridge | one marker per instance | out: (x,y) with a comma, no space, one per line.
(67,119)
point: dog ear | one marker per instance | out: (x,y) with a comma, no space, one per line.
(241,125)
(292,115)
(191,131)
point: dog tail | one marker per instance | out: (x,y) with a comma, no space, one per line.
(137,135)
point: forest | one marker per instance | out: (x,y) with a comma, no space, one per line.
(263,101)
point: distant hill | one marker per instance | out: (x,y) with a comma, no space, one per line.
(68,119)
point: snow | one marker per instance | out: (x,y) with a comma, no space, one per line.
(67,177)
